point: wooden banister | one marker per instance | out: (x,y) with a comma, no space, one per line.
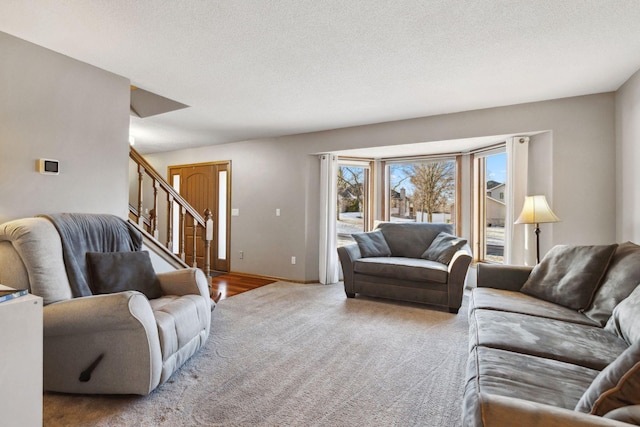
(202,226)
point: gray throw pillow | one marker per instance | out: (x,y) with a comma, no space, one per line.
(443,247)
(625,320)
(620,280)
(372,244)
(569,275)
(618,385)
(111,272)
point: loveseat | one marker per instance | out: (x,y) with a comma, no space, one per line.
(557,344)
(416,262)
(102,341)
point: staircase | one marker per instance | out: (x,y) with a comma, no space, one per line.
(162,215)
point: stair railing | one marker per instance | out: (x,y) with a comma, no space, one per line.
(150,221)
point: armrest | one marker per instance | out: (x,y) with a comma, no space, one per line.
(105,344)
(348,254)
(458,267)
(501,411)
(506,277)
(628,414)
(120,311)
(186,281)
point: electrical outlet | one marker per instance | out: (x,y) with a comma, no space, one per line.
(293,260)
(277,212)
(241,254)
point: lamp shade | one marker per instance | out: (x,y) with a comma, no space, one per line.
(536,210)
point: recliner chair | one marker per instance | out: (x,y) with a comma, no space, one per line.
(119,343)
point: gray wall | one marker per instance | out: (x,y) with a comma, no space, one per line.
(52,106)
(578,176)
(628,160)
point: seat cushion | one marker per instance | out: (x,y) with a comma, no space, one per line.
(527,377)
(414,269)
(179,320)
(582,345)
(517,302)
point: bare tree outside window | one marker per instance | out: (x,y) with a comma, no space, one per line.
(422,192)
(350,189)
(434,187)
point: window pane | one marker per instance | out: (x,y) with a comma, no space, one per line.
(351,203)
(495,206)
(222,215)
(422,192)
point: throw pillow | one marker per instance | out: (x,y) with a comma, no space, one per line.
(569,275)
(625,320)
(616,386)
(621,278)
(372,244)
(111,272)
(443,247)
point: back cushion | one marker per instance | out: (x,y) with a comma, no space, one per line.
(411,239)
(625,320)
(38,244)
(620,280)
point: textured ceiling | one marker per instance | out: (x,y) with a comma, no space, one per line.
(259,68)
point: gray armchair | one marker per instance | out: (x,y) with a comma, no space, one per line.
(119,343)
(402,273)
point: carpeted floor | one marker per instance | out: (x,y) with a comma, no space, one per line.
(301,355)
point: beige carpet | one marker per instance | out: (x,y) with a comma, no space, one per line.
(301,355)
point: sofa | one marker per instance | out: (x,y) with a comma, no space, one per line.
(557,344)
(415,262)
(127,340)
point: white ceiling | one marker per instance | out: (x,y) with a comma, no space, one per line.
(261,68)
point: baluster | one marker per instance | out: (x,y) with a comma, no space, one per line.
(195,241)
(208,237)
(183,211)
(140,182)
(154,223)
(170,222)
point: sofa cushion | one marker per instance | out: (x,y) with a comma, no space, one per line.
(411,239)
(517,302)
(403,268)
(443,247)
(111,272)
(528,377)
(569,275)
(180,319)
(625,320)
(620,280)
(582,345)
(616,386)
(372,244)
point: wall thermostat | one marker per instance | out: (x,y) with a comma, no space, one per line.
(48,166)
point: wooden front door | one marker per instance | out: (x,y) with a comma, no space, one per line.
(206,186)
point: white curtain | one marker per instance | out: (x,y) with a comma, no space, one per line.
(516,246)
(329,269)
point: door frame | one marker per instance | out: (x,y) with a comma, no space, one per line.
(215,164)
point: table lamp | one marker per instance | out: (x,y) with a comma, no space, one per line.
(536,210)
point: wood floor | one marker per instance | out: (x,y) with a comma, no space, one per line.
(231,284)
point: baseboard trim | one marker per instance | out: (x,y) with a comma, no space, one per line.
(277,279)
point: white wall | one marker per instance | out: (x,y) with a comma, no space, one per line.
(628,160)
(575,169)
(52,106)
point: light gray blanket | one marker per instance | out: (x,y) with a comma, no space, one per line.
(82,233)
